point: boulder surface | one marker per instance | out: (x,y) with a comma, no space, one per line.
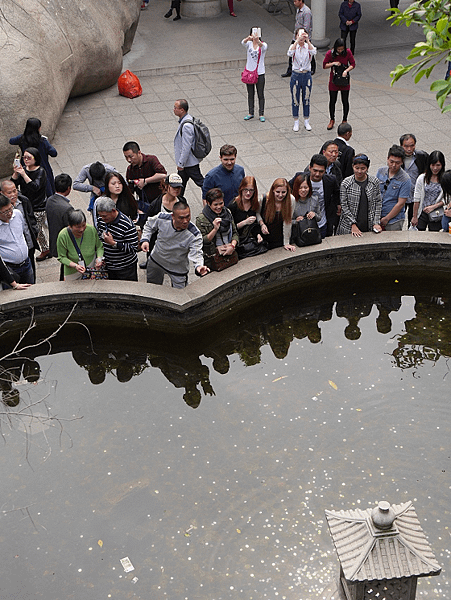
(52,50)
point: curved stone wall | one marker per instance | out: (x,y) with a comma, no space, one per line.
(54,49)
(218,294)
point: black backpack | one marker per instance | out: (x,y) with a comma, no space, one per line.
(202,138)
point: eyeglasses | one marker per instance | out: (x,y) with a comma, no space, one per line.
(7,211)
(362,157)
(249,191)
(386,184)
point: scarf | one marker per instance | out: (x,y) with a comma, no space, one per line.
(225,229)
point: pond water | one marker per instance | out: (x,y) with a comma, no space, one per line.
(209,460)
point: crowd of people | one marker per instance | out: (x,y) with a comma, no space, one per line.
(146,210)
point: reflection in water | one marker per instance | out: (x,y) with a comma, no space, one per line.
(427,337)
(227,501)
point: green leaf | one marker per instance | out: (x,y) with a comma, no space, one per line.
(440,84)
(442,24)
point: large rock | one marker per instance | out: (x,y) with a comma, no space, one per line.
(54,49)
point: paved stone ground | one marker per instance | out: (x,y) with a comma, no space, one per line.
(201,60)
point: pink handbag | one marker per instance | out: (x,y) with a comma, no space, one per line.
(251,77)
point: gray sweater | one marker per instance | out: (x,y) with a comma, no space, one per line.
(174,248)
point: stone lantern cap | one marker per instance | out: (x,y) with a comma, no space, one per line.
(382,543)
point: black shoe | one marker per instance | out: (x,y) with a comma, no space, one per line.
(168,14)
(177,18)
(143,265)
(287,74)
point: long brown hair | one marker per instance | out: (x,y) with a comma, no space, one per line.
(270,208)
(297,184)
(248,182)
(126,194)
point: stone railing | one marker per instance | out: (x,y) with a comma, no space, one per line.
(400,254)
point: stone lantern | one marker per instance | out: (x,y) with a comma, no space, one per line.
(382,552)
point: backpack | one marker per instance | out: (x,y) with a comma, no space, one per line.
(202,138)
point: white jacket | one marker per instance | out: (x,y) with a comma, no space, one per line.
(418,195)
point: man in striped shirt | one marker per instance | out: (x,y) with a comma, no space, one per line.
(120,240)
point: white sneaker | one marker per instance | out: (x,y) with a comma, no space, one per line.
(296,126)
(307,125)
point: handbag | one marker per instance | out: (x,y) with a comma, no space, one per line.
(249,246)
(338,78)
(251,77)
(306,232)
(437,214)
(219,262)
(91,272)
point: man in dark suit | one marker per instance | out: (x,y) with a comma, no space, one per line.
(345,151)
(327,191)
(330,151)
(24,205)
(58,208)
(414,164)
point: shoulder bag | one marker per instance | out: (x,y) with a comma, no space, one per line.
(91,272)
(305,233)
(337,76)
(251,77)
(249,246)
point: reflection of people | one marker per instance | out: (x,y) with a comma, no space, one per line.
(386,305)
(185,371)
(88,244)
(216,224)
(360,199)
(256,51)
(178,242)
(353,310)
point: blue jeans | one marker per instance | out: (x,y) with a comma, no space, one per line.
(298,82)
(445,223)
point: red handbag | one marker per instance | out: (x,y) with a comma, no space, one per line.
(251,77)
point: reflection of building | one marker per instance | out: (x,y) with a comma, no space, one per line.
(382,551)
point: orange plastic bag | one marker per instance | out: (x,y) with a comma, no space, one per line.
(128,85)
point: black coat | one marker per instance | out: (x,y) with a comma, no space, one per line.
(345,156)
(57,210)
(421,159)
